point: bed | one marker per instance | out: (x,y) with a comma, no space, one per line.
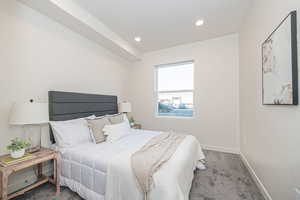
(102,171)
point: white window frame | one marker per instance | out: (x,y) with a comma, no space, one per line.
(173,91)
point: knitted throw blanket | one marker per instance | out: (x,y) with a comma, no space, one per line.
(151,157)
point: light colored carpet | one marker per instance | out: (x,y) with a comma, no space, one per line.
(226,178)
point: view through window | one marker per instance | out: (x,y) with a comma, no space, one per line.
(175,89)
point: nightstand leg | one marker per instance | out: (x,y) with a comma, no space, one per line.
(40,170)
(4,182)
(57,168)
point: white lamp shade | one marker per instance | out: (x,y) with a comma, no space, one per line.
(29,113)
(125,107)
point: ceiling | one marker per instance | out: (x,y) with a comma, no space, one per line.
(166,23)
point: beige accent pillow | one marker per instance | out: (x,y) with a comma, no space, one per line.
(116,119)
(96,125)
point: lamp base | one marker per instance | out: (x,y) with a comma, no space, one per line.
(35,142)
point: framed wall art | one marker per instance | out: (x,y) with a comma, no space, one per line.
(280,64)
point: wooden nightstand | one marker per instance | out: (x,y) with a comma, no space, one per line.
(137,126)
(39,157)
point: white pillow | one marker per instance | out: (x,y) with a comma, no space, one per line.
(116,118)
(70,133)
(115,132)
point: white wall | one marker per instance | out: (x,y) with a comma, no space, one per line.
(270,135)
(38,55)
(216,91)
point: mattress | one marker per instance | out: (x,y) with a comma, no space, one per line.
(84,167)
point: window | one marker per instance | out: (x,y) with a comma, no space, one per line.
(175,89)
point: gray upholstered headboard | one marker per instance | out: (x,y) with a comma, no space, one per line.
(69,105)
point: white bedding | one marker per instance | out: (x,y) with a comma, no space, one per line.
(102,171)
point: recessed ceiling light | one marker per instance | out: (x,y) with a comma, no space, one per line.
(199,22)
(137,39)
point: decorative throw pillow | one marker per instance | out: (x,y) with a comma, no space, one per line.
(96,127)
(116,119)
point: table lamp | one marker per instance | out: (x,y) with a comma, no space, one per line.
(30,113)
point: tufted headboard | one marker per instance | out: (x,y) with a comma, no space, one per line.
(69,105)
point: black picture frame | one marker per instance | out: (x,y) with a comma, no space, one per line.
(294,60)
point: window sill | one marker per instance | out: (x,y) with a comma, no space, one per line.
(174,117)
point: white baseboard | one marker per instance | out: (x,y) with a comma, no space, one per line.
(258,182)
(221,149)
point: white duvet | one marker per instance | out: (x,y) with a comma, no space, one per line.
(103,171)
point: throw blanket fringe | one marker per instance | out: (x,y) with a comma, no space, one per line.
(151,157)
